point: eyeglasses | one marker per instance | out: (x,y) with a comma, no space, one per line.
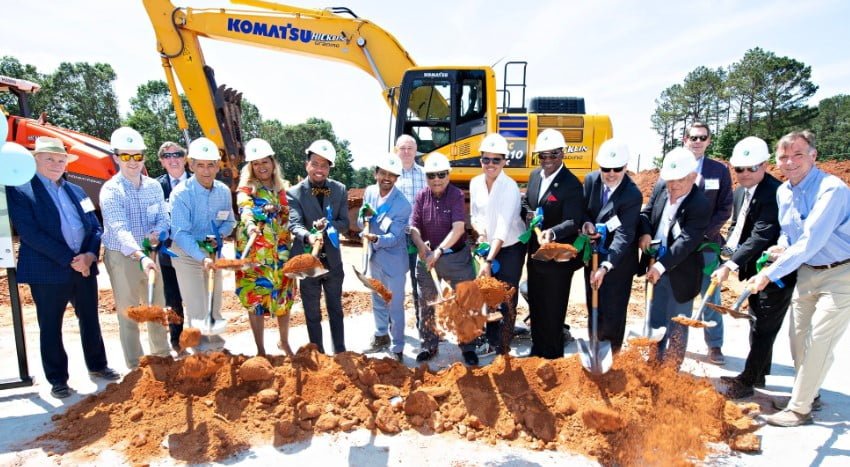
(612,169)
(741,170)
(440,175)
(127,157)
(550,155)
(700,138)
(491,160)
(172,155)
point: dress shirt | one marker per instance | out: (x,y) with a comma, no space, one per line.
(411,182)
(546,181)
(72,226)
(194,210)
(495,213)
(130,213)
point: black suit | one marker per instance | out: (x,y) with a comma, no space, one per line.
(173,298)
(549,282)
(621,251)
(761,230)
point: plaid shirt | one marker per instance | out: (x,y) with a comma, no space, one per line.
(130,213)
(411,182)
(193,211)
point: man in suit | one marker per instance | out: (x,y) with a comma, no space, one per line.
(675,215)
(172,157)
(612,199)
(308,203)
(755,227)
(60,243)
(714,180)
(558,192)
(388,215)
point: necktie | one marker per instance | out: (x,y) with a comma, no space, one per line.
(605,194)
(174,182)
(735,236)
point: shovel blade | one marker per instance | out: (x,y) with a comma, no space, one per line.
(584,354)
(208,326)
(604,356)
(363,279)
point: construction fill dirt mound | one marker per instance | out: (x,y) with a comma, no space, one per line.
(636,414)
(190,337)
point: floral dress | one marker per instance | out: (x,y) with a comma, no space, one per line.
(263,288)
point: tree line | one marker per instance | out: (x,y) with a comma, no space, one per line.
(81,97)
(762,95)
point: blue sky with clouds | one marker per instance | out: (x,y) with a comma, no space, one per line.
(618,55)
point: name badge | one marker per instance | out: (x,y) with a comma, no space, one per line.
(222,215)
(613,223)
(712,183)
(87,205)
(385,224)
(153,209)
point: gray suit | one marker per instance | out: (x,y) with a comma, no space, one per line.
(304,210)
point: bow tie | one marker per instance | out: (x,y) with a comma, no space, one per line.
(324,191)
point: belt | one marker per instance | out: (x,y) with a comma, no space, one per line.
(830,266)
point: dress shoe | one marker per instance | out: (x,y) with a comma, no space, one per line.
(106,373)
(735,389)
(715,356)
(782,403)
(379,344)
(470,357)
(60,391)
(426,355)
(788,418)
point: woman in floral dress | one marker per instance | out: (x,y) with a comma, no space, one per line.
(262,288)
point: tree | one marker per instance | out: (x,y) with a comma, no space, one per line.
(832,125)
(81,97)
(363,177)
(290,141)
(13,68)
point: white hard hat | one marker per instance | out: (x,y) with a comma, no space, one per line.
(549,140)
(749,151)
(203,149)
(391,163)
(612,154)
(324,148)
(678,163)
(494,143)
(256,149)
(437,162)
(127,139)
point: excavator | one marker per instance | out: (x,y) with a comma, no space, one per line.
(445,108)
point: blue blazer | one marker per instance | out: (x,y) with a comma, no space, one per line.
(44,257)
(389,253)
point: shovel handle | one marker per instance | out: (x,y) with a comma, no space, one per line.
(151,281)
(317,245)
(436,282)
(210,289)
(251,239)
(708,293)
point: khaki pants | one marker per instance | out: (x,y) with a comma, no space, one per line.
(193,287)
(130,288)
(820,313)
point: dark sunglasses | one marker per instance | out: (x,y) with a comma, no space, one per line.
(440,175)
(172,155)
(741,170)
(701,138)
(127,157)
(491,160)
(612,169)
(550,155)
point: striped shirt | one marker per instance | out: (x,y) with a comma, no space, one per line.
(411,182)
(73,230)
(130,213)
(194,210)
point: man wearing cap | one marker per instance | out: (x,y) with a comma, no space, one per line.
(612,200)
(60,242)
(172,157)
(201,215)
(714,180)
(133,210)
(814,216)
(437,228)
(309,203)
(387,211)
(558,192)
(411,182)
(755,227)
(675,215)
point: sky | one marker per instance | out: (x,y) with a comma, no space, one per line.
(618,55)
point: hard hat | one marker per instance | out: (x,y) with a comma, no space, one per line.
(436,162)
(495,143)
(324,148)
(549,140)
(678,163)
(256,149)
(48,145)
(612,154)
(749,151)
(127,139)
(391,163)
(18,164)
(203,149)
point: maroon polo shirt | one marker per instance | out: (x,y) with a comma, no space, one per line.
(433,215)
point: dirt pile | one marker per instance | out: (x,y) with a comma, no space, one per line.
(493,291)
(381,290)
(205,409)
(301,263)
(190,337)
(145,313)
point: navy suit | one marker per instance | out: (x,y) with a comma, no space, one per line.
(173,298)
(44,262)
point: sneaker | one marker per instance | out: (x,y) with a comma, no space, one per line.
(60,391)
(782,403)
(715,356)
(735,389)
(485,350)
(426,355)
(788,418)
(379,344)
(106,373)
(470,357)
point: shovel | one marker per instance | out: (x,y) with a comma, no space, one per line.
(210,326)
(735,311)
(694,321)
(596,356)
(242,262)
(649,333)
(369,283)
(533,226)
(315,271)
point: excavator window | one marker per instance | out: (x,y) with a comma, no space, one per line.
(428,112)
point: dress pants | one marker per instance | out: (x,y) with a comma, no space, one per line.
(664,308)
(548,295)
(453,268)
(311,294)
(510,260)
(769,307)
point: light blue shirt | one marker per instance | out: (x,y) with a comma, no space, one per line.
(72,226)
(411,182)
(130,213)
(815,219)
(194,209)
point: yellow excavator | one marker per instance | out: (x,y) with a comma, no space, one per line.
(445,108)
